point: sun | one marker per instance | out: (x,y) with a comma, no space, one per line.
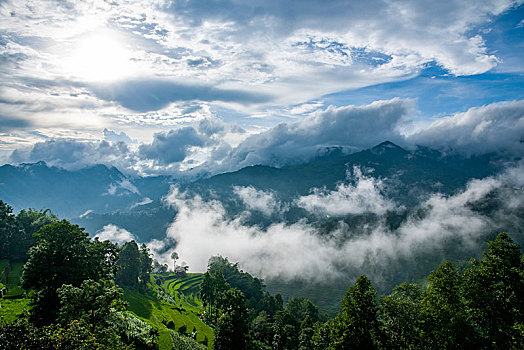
(99,57)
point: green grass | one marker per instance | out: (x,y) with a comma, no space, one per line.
(167,316)
(11,309)
(12,306)
(185,290)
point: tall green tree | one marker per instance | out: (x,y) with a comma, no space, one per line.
(29,222)
(8,228)
(356,327)
(129,265)
(232,326)
(305,338)
(401,318)
(445,311)
(146,265)
(494,290)
(64,254)
(261,328)
(299,308)
(252,287)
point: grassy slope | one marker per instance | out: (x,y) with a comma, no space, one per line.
(12,308)
(184,293)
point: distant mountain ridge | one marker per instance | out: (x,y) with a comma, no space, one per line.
(424,169)
(73,193)
(99,195)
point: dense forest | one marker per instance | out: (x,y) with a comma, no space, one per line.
(75,292)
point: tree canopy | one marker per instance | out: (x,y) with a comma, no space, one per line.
(64,254)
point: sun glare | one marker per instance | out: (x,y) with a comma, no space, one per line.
(99,57)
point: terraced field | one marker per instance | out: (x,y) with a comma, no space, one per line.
(176,308)
(185,290)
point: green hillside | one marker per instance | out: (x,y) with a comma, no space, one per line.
(13,304)
(171,305)
(175,308)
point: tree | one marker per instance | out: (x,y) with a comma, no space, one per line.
(174,256)
(270,303)
(129,265)
(25,335)
(261,328)
(401,319)
(210,289)
(299,308)
(305,339)
(232,327)
(29,222)
(253,288)
(159,268)
(93,303)
(355,327)
(444,311)
(64,254)
(146,265)
(322,335)
(494,291)
(8,228)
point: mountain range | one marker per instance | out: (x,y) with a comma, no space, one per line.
(101,195)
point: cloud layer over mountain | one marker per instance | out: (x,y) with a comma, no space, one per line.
(207,146)
(203,229)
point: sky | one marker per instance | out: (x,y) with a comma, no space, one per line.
(187,88)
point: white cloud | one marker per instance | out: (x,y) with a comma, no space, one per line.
(144,201)
(308,49)
(86,213)
(171,147)
(350,127)
(75,154)
(498,127)
(263,201)
(112,136)
(115,234)
(202,230)
(211,146)
(365,196)
(127,185)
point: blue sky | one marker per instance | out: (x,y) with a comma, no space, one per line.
(186,87)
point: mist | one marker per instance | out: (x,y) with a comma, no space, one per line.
(203,228)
